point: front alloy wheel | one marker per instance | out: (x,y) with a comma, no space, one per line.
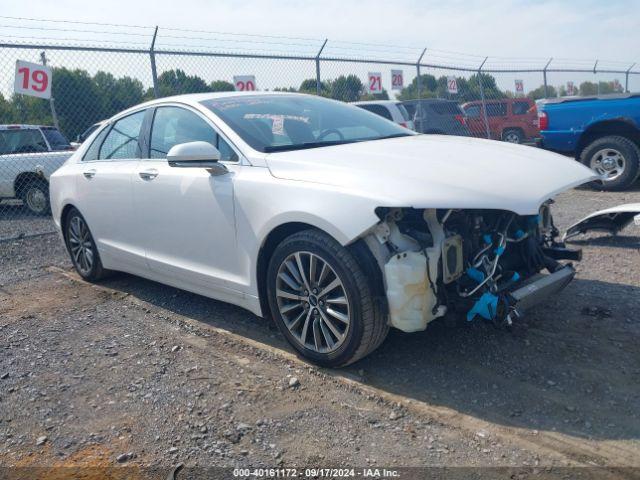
(322,301)
(313,302)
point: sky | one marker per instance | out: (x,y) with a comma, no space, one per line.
(586,29)
(511,32)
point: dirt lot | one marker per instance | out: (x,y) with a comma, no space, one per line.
(130,372)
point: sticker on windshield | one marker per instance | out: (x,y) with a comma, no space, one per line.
(278,125)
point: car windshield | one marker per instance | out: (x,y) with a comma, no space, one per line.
(273,123)
(56,139)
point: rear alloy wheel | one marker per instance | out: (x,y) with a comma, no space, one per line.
(321,300)
(82,249)
(615,159)
(512,135)
(35,196)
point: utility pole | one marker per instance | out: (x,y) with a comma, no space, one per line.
(152,58)
(626,78)
(484,104)
(418,115)
(318,81)
(54,116)
(544,77)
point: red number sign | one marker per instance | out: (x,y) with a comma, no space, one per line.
(397,81)
(519,86)
(32,79)
(452,85)
(375,82)
(245,83)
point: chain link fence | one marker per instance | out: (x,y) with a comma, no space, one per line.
(441,92)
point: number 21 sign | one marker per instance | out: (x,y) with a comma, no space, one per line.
(375,82)
(32,79)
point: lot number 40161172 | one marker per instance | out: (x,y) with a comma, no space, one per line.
(32,79)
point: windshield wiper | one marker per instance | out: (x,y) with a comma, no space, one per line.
(305,145)
(302,146)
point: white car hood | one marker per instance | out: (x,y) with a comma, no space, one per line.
(434,171)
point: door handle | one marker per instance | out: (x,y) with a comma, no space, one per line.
(89,173)
(148,174)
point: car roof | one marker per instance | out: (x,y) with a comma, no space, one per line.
(430,100)
(22,126)
(610,96)
(376,102)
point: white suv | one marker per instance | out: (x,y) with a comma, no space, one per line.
(389,109)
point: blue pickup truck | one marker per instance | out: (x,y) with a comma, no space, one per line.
(602,132)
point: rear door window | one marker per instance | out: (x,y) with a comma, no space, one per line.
(378,110)
(122,141)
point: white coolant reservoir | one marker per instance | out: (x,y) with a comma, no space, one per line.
(409,294)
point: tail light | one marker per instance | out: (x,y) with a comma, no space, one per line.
(543,121)
(403,124)
(461,119)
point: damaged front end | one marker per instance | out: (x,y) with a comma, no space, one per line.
(488,264)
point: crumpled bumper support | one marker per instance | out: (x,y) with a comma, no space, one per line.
(540,287)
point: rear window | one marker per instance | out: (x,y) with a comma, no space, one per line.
(56,140)
(403,112)
(520,108)
(21,141)
(445,108)
(378,110)
(410,108)
(497,109)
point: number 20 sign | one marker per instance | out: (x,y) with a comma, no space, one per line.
(244,83)
(32,79)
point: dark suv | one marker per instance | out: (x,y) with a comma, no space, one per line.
(436,115)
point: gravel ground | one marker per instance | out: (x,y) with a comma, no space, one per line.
(130,372)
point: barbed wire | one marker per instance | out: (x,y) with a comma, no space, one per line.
(238,42)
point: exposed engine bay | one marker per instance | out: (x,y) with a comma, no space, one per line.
(488,264)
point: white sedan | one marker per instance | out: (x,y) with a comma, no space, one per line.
(331,220)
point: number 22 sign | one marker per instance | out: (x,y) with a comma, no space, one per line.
(375,82)
(244,83)
(32,79)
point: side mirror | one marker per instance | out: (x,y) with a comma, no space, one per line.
(196,155)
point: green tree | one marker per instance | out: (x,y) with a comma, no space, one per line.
(428,84)
(117,94)
(177,82)
(375,96)
(309,86)
(538,93)
(77,101)
(346,88)
(221,86)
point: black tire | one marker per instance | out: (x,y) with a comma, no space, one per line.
(35,196)
(512,135)
(367,327)
(95,271)
(630,155)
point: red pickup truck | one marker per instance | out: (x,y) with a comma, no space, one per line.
(513,120)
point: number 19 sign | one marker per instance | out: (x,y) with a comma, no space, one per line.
(32,79)
(244,83)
